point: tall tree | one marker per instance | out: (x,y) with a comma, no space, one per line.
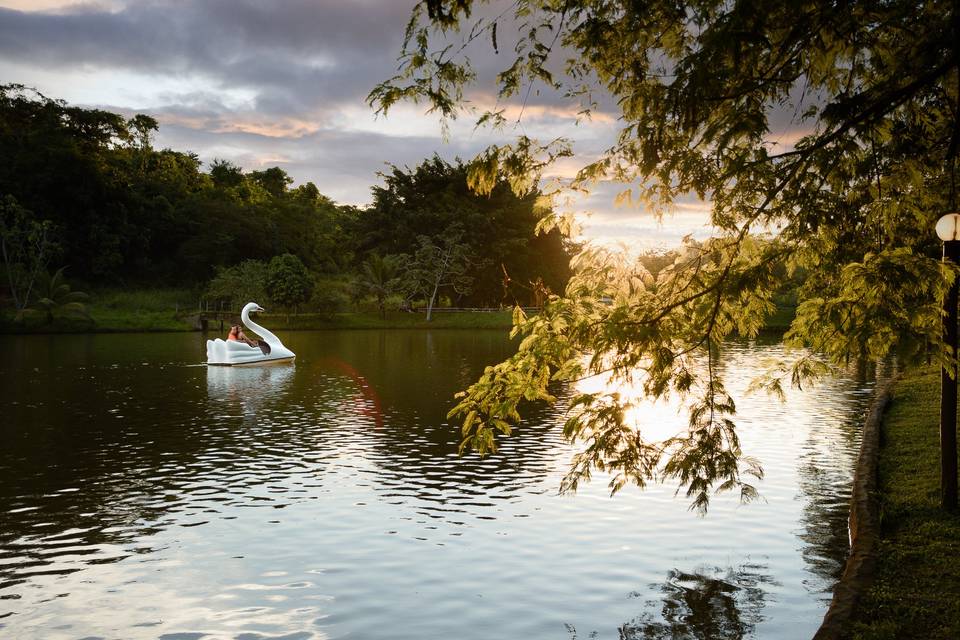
(499,227)
(379,277)
(225,174)
(27,246)
(125,211)
(860,165)
(288,282)
(274,180)
(437,264)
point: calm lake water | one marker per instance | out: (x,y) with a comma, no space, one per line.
(143,495)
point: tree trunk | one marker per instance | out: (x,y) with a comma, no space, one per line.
(433,296)
(9,269)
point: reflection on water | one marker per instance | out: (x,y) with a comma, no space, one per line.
(144,496)
(255,383)
(708,603)
(247,387)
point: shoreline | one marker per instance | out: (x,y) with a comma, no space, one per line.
(863,523)
(916,589)
(162,323)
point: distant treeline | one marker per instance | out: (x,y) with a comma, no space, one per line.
(121,213)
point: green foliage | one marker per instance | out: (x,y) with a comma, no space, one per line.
(852,183)
(380,277)
(498,229)
(126,212)
(614,319)
(330,295)
(27,246)
(289,284)
(226,175)
(436,265)
(866,309)
(240,284)
(152,300)
(54,298)
(273,180)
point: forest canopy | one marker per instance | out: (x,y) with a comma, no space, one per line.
(116,211)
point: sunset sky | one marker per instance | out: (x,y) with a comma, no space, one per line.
(284,83)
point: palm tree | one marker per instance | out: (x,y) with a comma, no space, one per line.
(378,277)
(54,296)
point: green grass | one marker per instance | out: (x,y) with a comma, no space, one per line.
(117,310)
(162,300)
(393,320)
(917,590)
(172,310)
(142,309)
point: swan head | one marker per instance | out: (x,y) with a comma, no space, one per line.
(252,307)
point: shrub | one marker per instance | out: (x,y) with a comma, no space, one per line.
(288,281)
(240,284)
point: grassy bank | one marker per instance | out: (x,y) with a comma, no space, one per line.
(175,310)
(114,310)
(917,590)
(393,320)
(117,321)
(369,320)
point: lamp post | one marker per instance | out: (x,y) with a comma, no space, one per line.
(948,230)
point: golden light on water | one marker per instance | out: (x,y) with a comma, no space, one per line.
(655,420)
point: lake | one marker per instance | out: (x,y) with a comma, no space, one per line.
(144,495)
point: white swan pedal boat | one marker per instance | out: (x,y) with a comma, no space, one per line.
(235,353)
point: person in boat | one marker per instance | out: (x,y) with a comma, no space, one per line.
(237,334)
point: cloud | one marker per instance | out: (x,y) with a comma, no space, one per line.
(296,56)
(342,163)
(53,5)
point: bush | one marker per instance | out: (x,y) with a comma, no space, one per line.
(288,281)
(330,295)
(240,284)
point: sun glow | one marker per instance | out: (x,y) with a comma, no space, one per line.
(656,420)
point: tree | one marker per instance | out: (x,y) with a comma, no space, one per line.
(240,284)
(379,277)
(274,180)
(225,174)
(54,297)
(860,164)
(60,163)
(288,282)
(142,126)
(718,604)
(27,246)
(499,226)
(438,263)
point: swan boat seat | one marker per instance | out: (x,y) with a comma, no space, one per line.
(233,353)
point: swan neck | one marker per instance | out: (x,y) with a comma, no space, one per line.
(253,326)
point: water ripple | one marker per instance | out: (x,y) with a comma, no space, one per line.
(143,497)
